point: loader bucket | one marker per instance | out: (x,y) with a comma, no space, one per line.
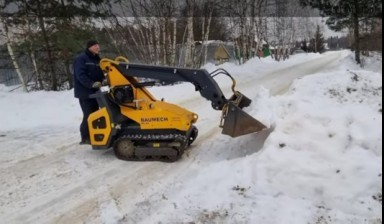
(236,122)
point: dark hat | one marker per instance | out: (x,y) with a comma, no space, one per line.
(90,43)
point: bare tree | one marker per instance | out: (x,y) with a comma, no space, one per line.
(150,35)
(11,53)
(248,23)
(188,57)
(283,28)
(28,33)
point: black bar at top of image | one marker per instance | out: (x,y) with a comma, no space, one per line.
(179,8)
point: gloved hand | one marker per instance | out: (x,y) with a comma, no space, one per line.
(96,85)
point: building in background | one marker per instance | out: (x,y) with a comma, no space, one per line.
(221,55)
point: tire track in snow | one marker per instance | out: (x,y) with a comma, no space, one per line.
(87,190)
(280,81)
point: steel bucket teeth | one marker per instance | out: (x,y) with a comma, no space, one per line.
(236,122)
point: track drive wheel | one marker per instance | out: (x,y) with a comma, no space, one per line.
(180,149)
(124,149)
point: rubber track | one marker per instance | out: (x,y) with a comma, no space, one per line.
(153,138)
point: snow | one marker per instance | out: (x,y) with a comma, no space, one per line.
(321,163)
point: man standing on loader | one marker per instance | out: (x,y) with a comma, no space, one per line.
(88,78)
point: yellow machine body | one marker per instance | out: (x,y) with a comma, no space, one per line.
(149,112)
(145,110)
(100,127)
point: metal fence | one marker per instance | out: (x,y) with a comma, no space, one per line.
(9,77)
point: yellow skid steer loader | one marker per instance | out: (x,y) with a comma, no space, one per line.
(139,127)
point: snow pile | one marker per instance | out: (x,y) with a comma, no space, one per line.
(373,62)
(321,164)
(36,109)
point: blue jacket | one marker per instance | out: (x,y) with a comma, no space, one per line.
(86,72)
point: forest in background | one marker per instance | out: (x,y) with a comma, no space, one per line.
(40,38)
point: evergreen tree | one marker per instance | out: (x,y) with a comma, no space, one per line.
(319,41)
(348,14)
(304,46)
(312,45)
(55,29)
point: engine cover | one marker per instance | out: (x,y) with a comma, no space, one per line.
(124,94)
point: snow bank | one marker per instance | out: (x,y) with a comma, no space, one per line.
(37,109)
(321,164)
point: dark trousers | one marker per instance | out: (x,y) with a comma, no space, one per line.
(88,106)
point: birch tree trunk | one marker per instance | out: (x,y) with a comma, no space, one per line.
(182,51)
(16,65)
(39,79)
(243,40)
(204,44)
(165,46)
(135,41)
(190,38)
(188,62)
(38,75)
(206,36)
(13,58)
(156,36)
(174,41)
